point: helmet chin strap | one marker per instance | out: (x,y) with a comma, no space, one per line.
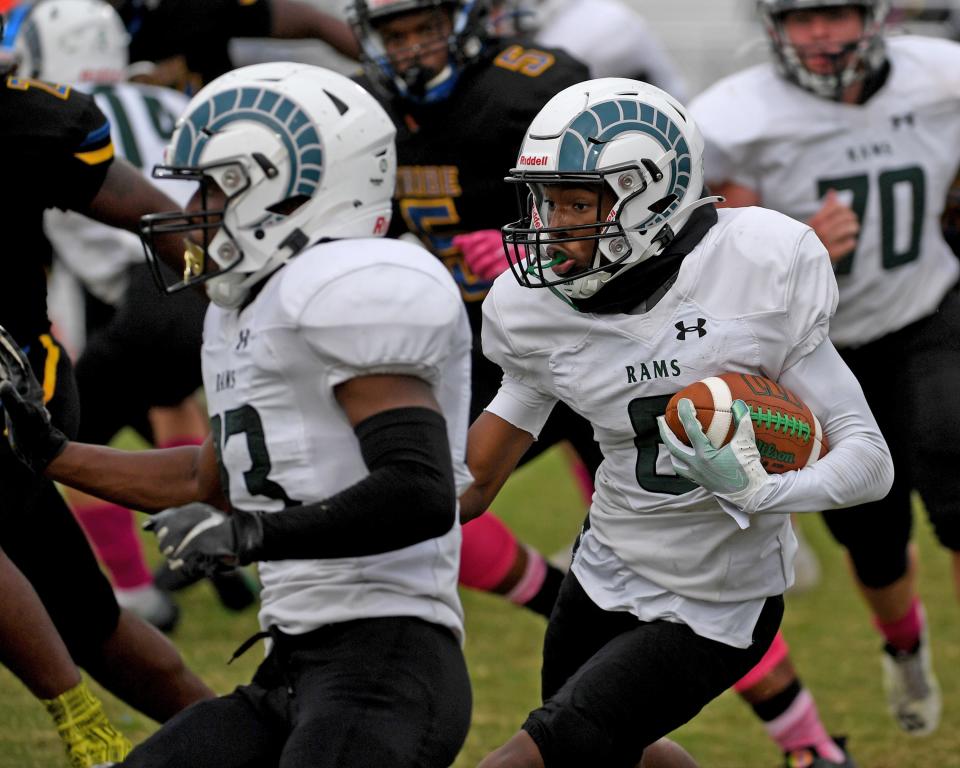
(419,80)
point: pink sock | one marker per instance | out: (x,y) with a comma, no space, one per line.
(532,579)
(777,651)
(799,726)
(584,479)
(176,442)
(488,552)
(904,633)
(111,530)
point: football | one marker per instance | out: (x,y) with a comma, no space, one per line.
(788,433)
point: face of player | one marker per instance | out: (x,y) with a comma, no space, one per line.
(824,37)
(575,209)
(417,39)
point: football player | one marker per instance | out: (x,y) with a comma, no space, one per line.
(64,157)
(856,136)
(130,326)
(83,43)
(461,102)
(622,265)
(609,36)
(184,44)
(336,367)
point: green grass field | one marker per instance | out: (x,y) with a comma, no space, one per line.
(836,651)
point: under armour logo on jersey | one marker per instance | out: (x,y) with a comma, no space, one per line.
(243,338)
(904,119)
(683,330)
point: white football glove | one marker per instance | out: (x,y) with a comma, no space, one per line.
(732,472)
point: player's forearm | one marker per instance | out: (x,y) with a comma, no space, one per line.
(858,468)
(125,197)
(407,498)
(294,20)
(143,480)
(494,448)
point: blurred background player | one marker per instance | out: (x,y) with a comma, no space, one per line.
(609,36)
(128,325)
(64,157)
(856,135)
(184,44)
(337,383)
(461,100)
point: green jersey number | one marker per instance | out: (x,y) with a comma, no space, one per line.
(246,421)
(162,120)
(643,414)
(887,182)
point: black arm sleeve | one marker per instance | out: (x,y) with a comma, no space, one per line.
(408,497)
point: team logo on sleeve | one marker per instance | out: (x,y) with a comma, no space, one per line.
(277,112)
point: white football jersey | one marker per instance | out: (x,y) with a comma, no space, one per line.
(142,118)
(891,159)
(611,38)
(337,311)
(755,295)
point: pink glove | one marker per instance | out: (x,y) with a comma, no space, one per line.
(483,252)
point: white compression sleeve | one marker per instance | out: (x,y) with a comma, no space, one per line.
(857,468)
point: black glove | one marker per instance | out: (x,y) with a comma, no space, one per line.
(200,540)
(28,429)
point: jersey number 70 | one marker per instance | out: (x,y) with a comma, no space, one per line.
(887,183)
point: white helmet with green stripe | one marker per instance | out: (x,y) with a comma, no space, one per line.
(298,153)
(627,138)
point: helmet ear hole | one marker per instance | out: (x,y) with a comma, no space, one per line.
(659,206)
(289,205)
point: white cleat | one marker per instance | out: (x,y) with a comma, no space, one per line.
(150,604)
(913,695)
(806,566)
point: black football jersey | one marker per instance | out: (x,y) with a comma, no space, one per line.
(58,151)
(199,31)
(453,155)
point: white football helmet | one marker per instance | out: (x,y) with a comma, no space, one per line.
(468,18)
(301,153)
(68,41)
(623,135)
(859,59)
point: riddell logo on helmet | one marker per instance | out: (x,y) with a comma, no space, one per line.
(533,159)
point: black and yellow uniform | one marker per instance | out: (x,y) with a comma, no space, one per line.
(59,150)
(453,154)
(452,157)
(200,32)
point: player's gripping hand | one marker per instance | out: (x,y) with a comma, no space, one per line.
(32,437)
(89,737)
(200,540)
(483,252)
(836,225)
(733,472)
